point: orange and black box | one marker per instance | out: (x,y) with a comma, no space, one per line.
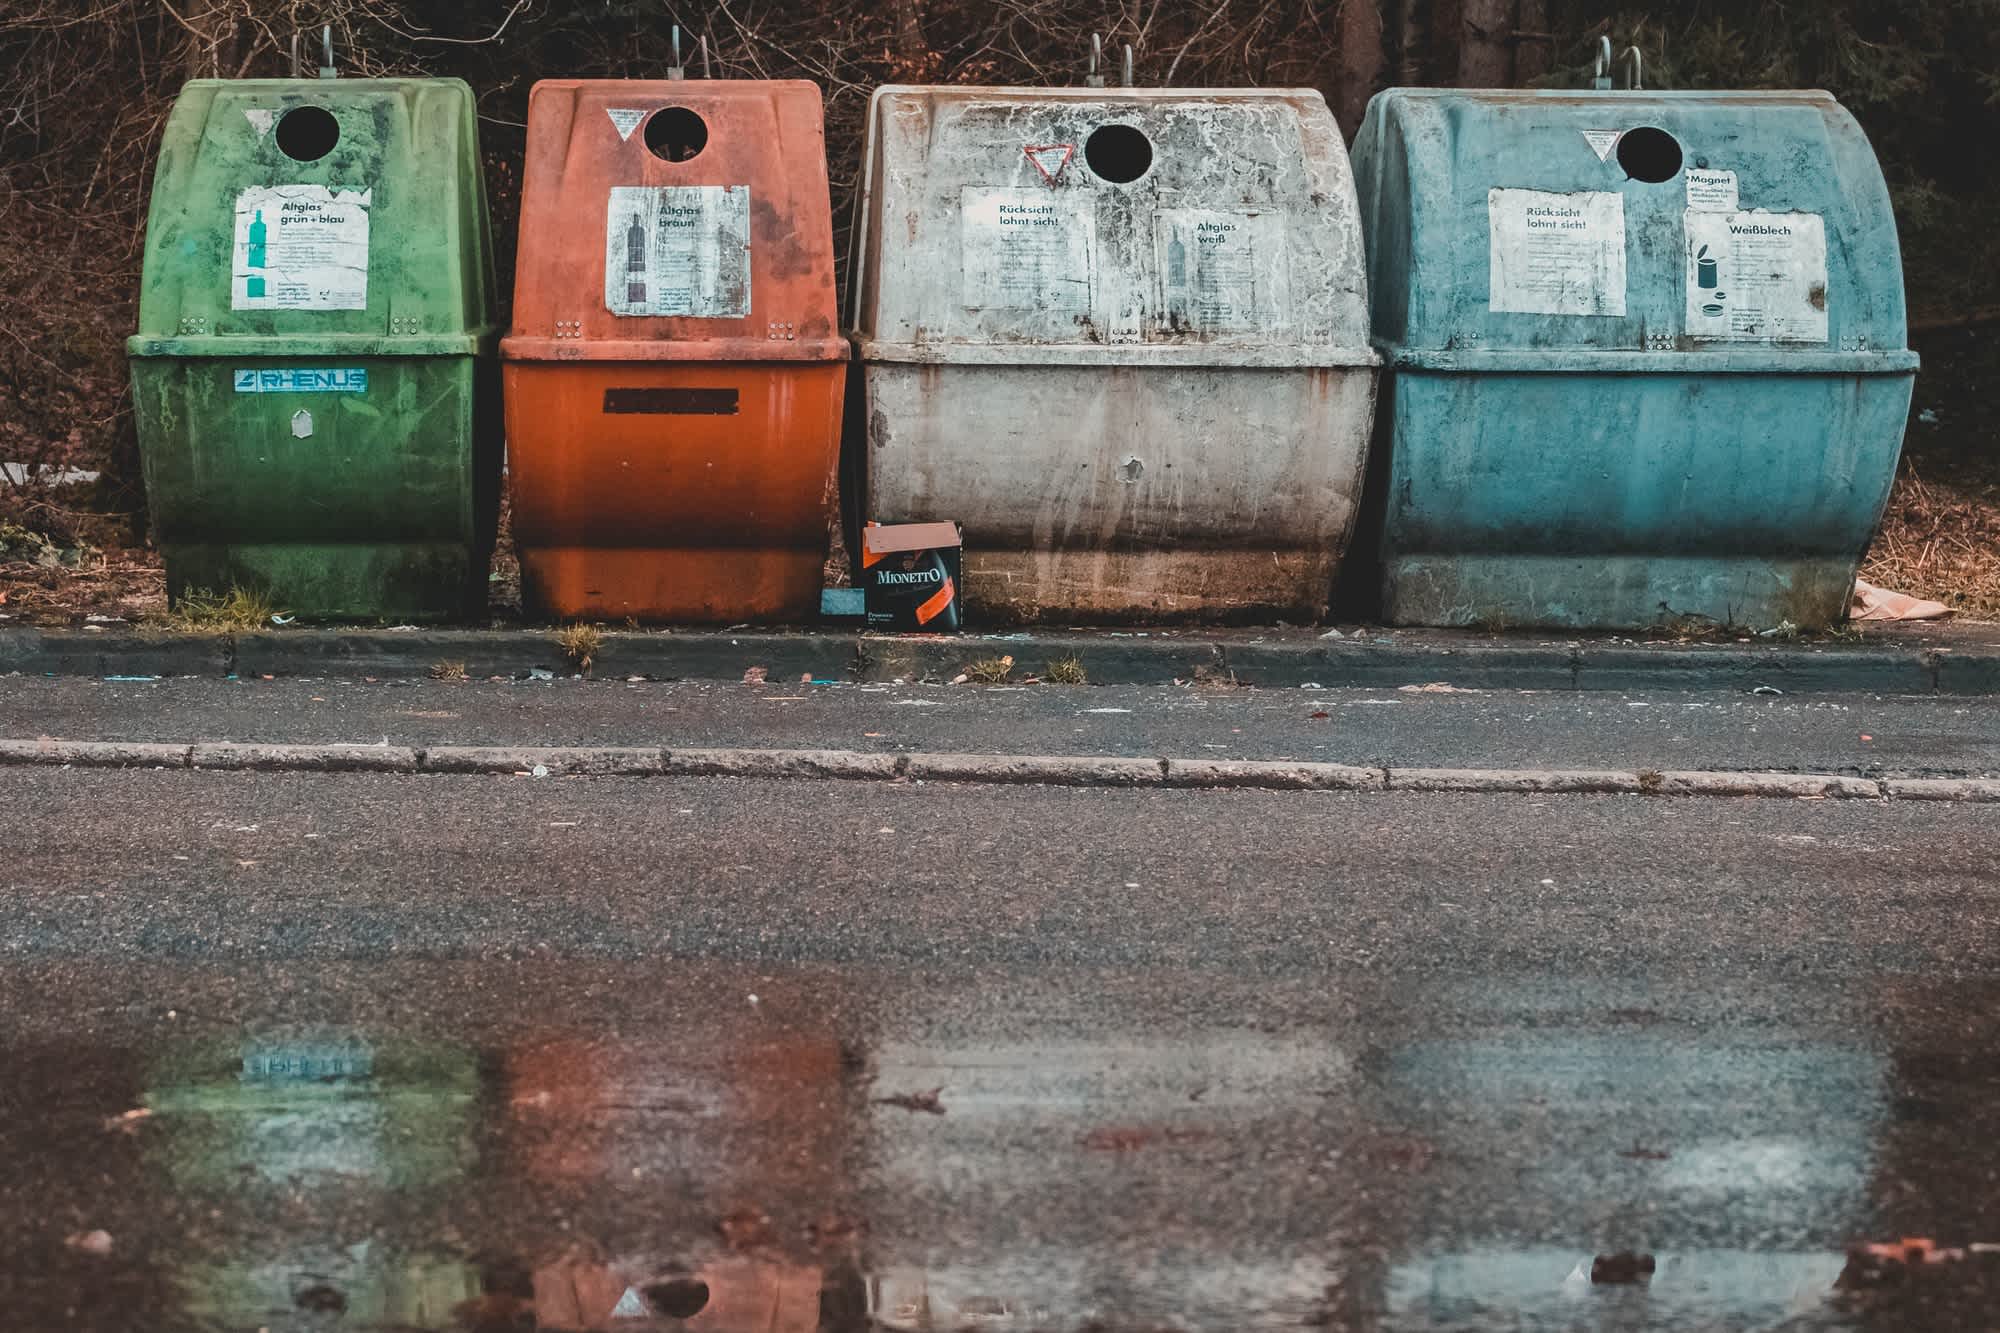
(910,576)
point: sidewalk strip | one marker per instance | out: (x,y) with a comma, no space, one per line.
(979,769)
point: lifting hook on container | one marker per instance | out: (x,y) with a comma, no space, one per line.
(326,69)
(1633,65)
(1094,79)
(1600,73)
(677,70)
(1125,80)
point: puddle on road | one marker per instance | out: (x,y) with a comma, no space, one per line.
(738,1172)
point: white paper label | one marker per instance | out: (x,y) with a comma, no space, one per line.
(1602,142)
(300,247)
(625,122)
(261,119)
(1756,277)
(1556,254)
(1222,272)
(1711,191)
(680,250)
(1027,249)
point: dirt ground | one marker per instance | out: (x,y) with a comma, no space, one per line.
(1940,536)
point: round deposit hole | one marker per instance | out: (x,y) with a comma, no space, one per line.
(676,134)
(307,133)
(1649,154)
(1118,153)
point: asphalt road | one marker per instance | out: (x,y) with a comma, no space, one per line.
(1871,736)
(436,1052)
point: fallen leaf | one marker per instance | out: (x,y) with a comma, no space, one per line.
(90,1242)
(916,1101)
(1321,716)
(1876,1265)
(128,1122)
(755,675)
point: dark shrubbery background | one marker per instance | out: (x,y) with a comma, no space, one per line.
(85,86)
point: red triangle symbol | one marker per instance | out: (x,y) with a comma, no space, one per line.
(1051,159)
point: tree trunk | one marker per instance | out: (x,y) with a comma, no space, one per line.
(209,51)
(1447,24)
(910,43)
(1361,61)
(1485,52)
(1407,41)
(1533,47)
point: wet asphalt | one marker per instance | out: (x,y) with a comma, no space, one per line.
(331,1052)
(1865,735)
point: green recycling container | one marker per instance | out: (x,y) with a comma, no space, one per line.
(1646,358)
(317,398)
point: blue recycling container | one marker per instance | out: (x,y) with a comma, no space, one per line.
(1646,356)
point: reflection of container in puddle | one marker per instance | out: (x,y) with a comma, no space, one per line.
(333,1107)
(1690,1289)
(373,1288)
(1070,1127)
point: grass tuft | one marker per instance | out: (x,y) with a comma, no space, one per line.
(202,611)
(581,644)
(1066,671)
(989,670)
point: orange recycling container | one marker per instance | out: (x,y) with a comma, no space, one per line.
(673,373)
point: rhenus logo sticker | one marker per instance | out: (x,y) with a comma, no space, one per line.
(351,380)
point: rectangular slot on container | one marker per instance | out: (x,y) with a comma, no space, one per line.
(670,402)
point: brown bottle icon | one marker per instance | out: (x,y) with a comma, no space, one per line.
(635,261)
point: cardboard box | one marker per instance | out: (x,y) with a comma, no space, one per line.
(910,576)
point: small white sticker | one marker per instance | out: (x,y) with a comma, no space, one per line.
(1027,250)
(1602,142)
(630,1306)
(625,122)
(1711,191)
(1756,277)
(1222,272)
(302,424)
(261,119)
(300,247)
(1556,254)
(678,250)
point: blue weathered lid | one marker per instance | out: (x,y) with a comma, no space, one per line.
(1628,230)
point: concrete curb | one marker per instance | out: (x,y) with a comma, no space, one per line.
(978,769)
(1363,660)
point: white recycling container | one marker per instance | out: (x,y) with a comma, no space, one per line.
(1120,335)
